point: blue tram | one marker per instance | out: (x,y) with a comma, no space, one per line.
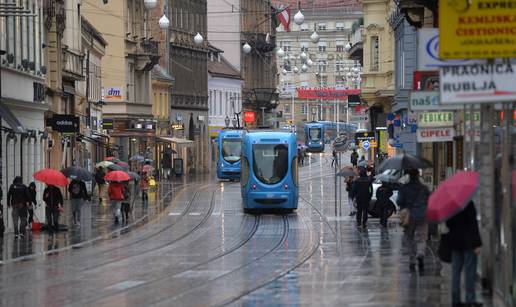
(229,145)
(269,171)
(314,137)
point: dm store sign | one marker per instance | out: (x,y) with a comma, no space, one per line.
(113,93)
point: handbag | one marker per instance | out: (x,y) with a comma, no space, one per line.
(404,217)
(444,250)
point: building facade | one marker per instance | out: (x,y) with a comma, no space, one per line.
(23,67)
(94,49)
(323,64)
(126,74)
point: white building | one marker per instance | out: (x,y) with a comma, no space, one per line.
(22,95)
(330,63)
(225,93)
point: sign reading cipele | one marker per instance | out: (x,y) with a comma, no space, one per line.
(435,119)
(430,135)
(478,83)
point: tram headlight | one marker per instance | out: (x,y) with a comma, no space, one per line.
(320,143)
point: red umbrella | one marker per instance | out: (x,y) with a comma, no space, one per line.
(148,168)
(112,159)
(51,177)
(452,196)
(117,176)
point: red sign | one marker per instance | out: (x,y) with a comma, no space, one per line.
(325,93)
(248,117)
(426,80)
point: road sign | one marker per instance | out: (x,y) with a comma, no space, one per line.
(365,145)
(477,29)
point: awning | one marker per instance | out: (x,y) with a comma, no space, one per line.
(177,141)
(11,119)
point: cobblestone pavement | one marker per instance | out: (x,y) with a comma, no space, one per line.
(203,250)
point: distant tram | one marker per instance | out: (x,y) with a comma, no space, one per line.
(314,137)
(269,171)
(230,150)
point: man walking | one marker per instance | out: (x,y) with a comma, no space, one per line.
(78,195)
(354,158)
(18,200)
(361,192)
(413,196)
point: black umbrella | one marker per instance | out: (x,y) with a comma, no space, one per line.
(116,167)
(404,161)
(76,172)
(134,176)
(137,158)
(347,172)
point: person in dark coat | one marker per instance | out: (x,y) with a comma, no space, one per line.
(464,241)
(351,201)
(414,197)
(383,195)
(99,179)
(354,158)
(32,201)
(362,192)
(18,200)
(53,199)
(78,194)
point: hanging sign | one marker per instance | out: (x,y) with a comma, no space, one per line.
(325,93)
(428,101)
(477,29)
(65,123)
(478,83)
(248,117)
(113,93)
(431,135)
(435,119)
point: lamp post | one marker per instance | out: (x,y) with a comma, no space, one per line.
(227,121)
(263,115)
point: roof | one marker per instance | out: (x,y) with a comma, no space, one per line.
(223,69)
(93,31)
(160,74)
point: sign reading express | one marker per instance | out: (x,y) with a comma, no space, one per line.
(477,29)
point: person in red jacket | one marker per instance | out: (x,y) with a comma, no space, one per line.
(116,196)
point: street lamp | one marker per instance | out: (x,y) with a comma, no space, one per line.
(280,53)
(314,37)
(227,121)
(164,23)
(347,47)
(246,48)
(150,4)
(198,39)
(234,121)
(299,18)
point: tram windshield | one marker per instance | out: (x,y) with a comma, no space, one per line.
(315,134)
(231,150)
(270,162)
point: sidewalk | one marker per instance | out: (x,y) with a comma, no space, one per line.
(96,221)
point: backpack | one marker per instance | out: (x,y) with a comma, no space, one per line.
(418,208)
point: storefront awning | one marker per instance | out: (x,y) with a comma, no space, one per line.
(177,141)
(11,119)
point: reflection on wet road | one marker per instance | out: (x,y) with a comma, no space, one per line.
(201,249)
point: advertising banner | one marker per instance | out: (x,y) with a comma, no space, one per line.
(435,119)
(430,135)
(477,29)
(428,51)
(478,83)
(325,93)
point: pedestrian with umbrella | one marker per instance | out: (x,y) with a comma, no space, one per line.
(451,203)
(32,201)
(361,192)
(383,195)
(52,195)
(116,181)
(99,179)
(413,201)
(18,201)
(78,194)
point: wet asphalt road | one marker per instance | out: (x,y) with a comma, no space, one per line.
(203,250)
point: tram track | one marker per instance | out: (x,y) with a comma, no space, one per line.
(79,258)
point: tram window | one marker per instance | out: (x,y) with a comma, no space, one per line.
(231,150)
(244,170)
(315,134)
(270,162)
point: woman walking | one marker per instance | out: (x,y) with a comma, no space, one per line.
(54,203)
(32,201)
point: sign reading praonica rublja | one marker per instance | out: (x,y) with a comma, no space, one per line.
(477,29)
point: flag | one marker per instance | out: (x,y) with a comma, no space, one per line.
(284,17)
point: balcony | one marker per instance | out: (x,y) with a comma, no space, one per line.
(146,55)
(72,65)
(259,43)
(356,51)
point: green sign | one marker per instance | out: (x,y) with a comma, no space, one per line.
(435,119)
